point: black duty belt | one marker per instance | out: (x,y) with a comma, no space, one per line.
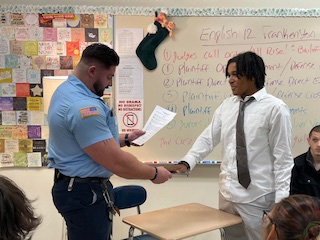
(59,176)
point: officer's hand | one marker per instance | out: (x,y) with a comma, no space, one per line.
(178,168)
(134,135)
(163,175)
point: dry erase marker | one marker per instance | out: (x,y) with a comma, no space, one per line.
(205,162)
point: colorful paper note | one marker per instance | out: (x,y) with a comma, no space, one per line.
(22,89)
(11,145)
(24,61)
(31,19)
(34,104)
(66,62)
(19,75)
(16,47)
(63,34)
(11,61)
(100,20)
(5,75)
(75,22)
(17,19)
(6,160)
(33,76)
(6,132)
(45,23)
(2,149)
(25,145)
(105,35)
(39,145)
(31,48)
(60,48)
(8,89)
(50,34)
(34,131)
(36,118)
(6,103)
(19,132)
(86,20)
(39,62)
(4,46)
(9,118)
(19,103)
(73,48)
(91,34)
(53,62)
(22,34)
(22,118)
(36,90)
(20,159)
(45,48)
(34,159)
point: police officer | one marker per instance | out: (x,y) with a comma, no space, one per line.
(84,147)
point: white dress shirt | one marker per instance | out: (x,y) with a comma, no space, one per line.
(267,128)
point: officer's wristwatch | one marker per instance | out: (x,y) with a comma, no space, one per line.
(126,140)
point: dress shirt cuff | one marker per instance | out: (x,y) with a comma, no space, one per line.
(190,160)
(281,195)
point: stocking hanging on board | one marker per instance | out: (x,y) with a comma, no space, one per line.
(157,32)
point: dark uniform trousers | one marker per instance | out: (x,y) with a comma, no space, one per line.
(82,205)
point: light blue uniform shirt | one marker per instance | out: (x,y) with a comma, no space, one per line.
(77,119)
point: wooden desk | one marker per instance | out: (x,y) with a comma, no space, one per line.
(182,221)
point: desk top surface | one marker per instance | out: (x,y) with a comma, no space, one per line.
(182,221)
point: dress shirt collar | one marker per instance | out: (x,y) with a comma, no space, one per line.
(81,86)
(257,95)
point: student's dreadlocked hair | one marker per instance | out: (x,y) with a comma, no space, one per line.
(250,65)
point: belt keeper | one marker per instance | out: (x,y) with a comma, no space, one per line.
(71,184)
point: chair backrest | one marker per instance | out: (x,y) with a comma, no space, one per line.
(129,196)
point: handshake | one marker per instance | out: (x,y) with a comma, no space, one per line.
(164,173)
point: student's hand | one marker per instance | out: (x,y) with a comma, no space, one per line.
(178,168)
(163,175)
(134,135)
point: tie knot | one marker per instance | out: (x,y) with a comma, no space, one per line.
(244,103)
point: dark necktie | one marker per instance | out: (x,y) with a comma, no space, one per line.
(242,159)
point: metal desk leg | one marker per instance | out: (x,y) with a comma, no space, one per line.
(131,230)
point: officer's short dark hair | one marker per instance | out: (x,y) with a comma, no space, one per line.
(101,53)
(251,65)
(315,129)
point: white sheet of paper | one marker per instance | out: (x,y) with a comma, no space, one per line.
(159,118)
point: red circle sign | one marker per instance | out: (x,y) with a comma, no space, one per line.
(130,119)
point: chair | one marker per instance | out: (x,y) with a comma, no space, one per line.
(131,196)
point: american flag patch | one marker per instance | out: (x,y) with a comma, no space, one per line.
(89,111)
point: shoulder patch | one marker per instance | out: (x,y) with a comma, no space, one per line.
(89,111)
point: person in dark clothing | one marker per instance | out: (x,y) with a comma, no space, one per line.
(305,178)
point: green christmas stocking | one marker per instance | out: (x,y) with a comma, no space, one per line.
(146,49)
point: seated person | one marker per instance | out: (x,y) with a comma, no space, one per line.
(296,217)
(305,177)
(17,219)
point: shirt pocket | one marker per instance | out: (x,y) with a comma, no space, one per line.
(255,126)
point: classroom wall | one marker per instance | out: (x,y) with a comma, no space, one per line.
(179,3)
(200,187)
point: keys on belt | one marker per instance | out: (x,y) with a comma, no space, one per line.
(102,181)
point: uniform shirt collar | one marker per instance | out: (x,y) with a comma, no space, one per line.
(81,86)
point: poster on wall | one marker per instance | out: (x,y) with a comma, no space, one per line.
(129,115)
(129,80)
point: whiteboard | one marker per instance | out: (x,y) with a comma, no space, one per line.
(190,76)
